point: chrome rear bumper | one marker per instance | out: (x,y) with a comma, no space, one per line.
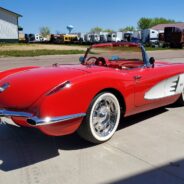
(14,113)
(36,121)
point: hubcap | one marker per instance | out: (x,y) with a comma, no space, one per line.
(105,115)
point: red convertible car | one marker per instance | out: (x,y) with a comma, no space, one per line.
(112,81)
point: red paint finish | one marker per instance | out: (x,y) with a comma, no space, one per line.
(57,129)
(30,86)
(63,128)
(21,121)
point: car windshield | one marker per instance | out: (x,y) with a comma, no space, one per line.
(116,53)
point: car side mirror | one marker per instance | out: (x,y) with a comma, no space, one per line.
(81,59)
(152,61)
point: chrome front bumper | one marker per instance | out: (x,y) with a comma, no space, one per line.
(36,121)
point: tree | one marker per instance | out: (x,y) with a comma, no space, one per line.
(44,31)
(161,20)
(128,28)
(145,23)
(96,29)
(108,30)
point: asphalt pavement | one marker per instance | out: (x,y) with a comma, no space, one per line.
(148,148)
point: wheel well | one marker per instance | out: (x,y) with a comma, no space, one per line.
(119,97)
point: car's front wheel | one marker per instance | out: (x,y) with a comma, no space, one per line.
(102,118)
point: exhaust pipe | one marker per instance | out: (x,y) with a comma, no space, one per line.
(31,122)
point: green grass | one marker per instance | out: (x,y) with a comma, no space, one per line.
(32,53)
(159,48)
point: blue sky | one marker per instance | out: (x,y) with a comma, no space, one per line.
(85,14)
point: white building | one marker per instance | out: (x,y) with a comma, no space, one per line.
(9,31)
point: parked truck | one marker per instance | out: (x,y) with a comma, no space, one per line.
(127,36)
(30,38)
(174,37)
(69,38)
(150,37)
(104,37)
(55,38)
(161,39)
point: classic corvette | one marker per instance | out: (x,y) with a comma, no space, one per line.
(113,80)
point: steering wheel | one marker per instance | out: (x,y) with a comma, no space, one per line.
(93,57)
(91,62)
(100,61)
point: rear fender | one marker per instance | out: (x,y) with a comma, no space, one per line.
(78,97)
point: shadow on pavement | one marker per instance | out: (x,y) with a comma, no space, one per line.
(171,173)
(131,120)
(21,147)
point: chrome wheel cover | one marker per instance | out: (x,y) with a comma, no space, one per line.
(105,116)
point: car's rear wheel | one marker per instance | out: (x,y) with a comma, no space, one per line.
(102,118)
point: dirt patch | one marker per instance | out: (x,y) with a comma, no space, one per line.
(8,47)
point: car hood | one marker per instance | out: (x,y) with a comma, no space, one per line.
(27,86)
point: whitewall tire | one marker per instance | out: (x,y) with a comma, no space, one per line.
(102,118)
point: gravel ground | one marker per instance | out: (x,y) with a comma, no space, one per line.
(40,47)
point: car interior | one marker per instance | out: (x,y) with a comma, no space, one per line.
(126,64)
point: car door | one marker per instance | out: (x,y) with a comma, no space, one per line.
(153,85)
(145,79)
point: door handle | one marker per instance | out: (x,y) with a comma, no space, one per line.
(137,77)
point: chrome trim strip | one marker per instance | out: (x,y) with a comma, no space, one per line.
(36,121)
(48,121)
(4,87)
(15,114)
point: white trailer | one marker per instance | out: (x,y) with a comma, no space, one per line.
(104,37)
(81,37)
(87,37)
(137,34)
(95,38)
(39,38)
(115,37)
(92,37)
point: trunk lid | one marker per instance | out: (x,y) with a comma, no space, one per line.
(27,86)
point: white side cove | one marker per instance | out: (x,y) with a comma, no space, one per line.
(166,88)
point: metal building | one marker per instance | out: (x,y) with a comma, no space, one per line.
(9,29)
(160,27)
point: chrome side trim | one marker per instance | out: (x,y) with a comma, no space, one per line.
(35,121)
(15,114)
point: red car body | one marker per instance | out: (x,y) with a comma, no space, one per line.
(55,99)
